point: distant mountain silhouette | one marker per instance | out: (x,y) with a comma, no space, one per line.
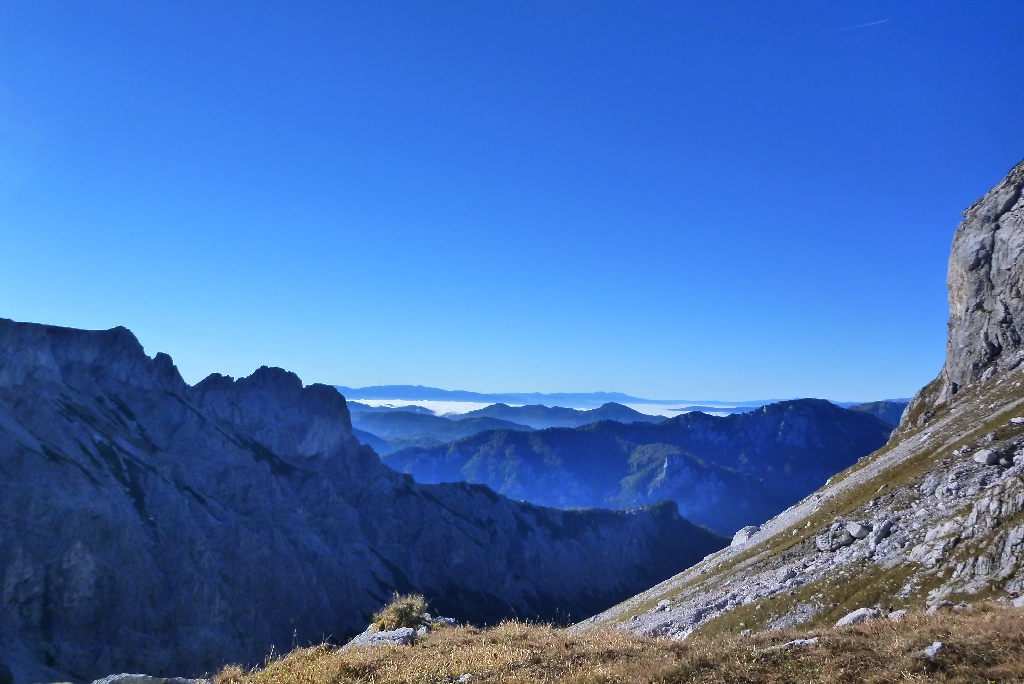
(539,416)
(570,399)
(889,411)
(397,428)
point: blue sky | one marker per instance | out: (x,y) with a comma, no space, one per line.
(727,200)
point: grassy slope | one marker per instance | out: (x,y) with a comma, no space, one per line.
(978,410)
(983,644)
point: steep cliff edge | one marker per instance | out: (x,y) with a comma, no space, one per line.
(937,515)
(153,526)
(986,307)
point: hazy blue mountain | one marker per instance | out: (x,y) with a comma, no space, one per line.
(744,408)
(397,426)
(539,416)
(378,444)
(571,399)
(356,407)
(723,472)
(890,411)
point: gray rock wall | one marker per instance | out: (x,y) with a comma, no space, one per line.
(986,308)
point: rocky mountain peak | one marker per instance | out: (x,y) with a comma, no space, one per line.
(273,405)
(986,274)
(31,352)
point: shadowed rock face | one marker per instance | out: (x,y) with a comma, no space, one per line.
(153,526)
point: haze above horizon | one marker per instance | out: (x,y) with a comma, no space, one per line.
(723,201)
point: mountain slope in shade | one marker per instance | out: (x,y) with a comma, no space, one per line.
(723,472)
(157,527)
(889,411)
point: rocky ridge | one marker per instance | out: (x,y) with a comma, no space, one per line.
(933,519)
(159,527)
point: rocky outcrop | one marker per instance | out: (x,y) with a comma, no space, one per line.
(935,516)
(986,277)
(150,526)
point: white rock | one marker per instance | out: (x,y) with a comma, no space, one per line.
(986,457)
(897,615)
(742,536)
(1017,421)
(789,644)
(934,649)
(1018,602)
(858,530)
(858,616)
(785,574)
(401,636)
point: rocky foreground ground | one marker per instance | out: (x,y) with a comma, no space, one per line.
(981,643)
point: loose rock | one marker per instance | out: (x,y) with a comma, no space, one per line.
(858,616)
(858,530)
(986,457)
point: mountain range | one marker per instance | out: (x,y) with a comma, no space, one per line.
(723,472)
(580,400)
(150,525)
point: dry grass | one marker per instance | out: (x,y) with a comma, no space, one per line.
(403,611)
(984,644)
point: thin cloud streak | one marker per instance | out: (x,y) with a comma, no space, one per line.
(858,26)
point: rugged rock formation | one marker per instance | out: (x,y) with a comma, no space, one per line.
(156,527)
(723,472)
(986,276)
(934,517)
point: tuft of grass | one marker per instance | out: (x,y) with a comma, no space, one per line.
(984,643)
(403,611)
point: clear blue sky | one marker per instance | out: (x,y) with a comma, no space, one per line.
(722,200)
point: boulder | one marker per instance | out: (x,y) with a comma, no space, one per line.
(836,537)
(858,530)
(880,532)
(986,457)
(403,636)
(897,615)
(934,649)
(858,616)
(785,574)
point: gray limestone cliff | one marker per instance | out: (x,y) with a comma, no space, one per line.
(153,526)
(986,307)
